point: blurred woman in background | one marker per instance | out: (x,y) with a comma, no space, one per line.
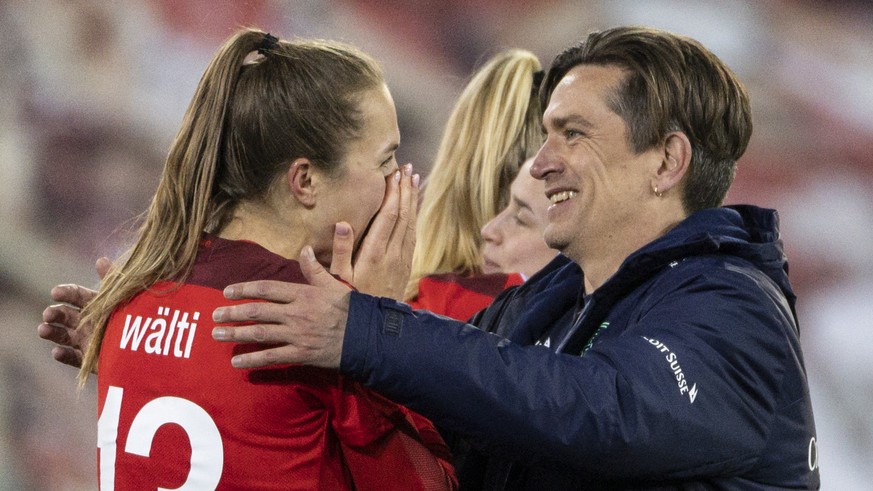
(494,127)
(514,238)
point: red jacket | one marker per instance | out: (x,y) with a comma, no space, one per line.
(459,297)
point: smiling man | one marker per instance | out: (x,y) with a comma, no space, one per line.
(673,362)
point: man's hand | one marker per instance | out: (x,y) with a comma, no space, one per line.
(61,321)
(309,321)
(383,261)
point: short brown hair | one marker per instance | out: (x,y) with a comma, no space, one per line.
(673,84)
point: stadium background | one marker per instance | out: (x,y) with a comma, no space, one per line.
(93,91)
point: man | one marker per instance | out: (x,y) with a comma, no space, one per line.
(672,363)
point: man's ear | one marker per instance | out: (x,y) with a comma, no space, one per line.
(302,179)
(675,162)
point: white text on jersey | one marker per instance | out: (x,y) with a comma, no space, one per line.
(166,336)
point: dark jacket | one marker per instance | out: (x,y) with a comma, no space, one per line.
(682,371)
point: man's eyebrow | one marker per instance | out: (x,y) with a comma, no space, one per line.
(573,119)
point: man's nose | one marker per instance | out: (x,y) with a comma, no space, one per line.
(545,161)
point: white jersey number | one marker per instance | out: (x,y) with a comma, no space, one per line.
(207,453)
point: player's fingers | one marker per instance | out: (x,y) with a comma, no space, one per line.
(343,249)
(380,231)
(404,233)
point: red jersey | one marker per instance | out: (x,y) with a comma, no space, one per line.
(459,297)
(174,413)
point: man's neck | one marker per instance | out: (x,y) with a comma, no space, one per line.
(599,262)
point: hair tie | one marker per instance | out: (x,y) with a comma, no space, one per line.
(267,43)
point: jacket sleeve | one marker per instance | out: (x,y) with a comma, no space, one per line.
(619,410)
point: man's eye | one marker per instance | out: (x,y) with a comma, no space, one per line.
(571,133)
(388,161)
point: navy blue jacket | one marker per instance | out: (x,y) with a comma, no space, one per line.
(682,371)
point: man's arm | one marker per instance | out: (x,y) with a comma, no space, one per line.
(621,410)
(617,411)
(308,321)
(380,266)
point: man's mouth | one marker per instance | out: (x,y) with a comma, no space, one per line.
(562,196)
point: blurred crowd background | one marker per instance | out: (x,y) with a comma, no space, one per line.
(93,92)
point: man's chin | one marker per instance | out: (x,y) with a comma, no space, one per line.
(555,241)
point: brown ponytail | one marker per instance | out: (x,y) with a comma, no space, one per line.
(246,123)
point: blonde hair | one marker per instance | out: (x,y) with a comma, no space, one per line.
(494,127)
(248,120)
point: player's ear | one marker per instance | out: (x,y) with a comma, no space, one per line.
(302,181)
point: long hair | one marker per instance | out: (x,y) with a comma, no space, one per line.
(248,120)
(494,127)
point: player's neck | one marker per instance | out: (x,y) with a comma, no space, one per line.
(279,233)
